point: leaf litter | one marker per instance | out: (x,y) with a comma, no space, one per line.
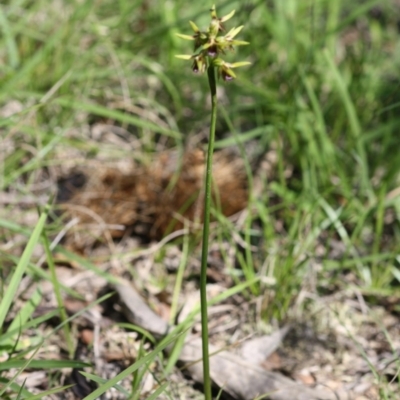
(338,347)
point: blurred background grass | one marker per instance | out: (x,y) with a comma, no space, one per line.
(322,94)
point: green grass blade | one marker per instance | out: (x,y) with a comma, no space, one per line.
(116,115)
(355,126)
(10,40)
(102,381)
(157,392)
(130,370)
(43,364)
(22,265)
(49,392)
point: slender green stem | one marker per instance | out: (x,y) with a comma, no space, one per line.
(206,229)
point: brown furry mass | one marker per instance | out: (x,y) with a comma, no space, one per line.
(153,200)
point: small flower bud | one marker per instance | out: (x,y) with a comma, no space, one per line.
(199,64)
(212,51)
(227,75)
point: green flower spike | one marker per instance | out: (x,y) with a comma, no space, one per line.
(208,46)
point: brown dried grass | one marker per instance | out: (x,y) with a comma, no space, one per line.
(160,198)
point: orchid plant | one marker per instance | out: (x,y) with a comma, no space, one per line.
(209,47)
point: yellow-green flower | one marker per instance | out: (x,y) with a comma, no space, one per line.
(208,46)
